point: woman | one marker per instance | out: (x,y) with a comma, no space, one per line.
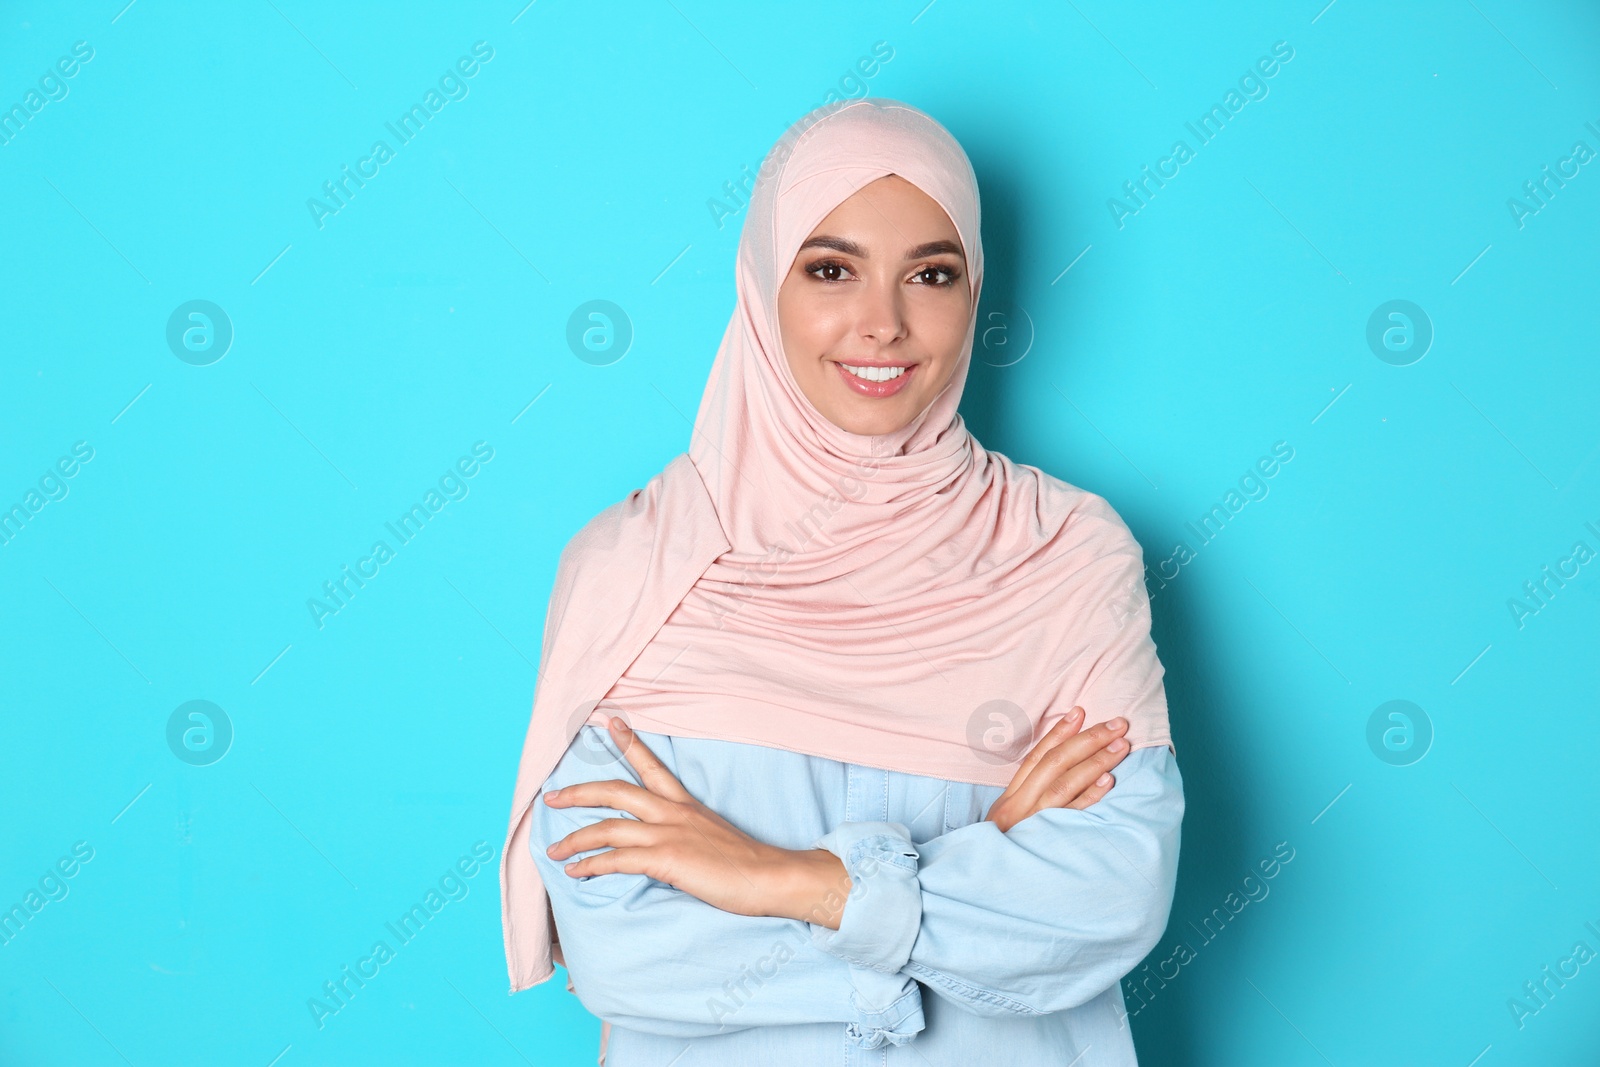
(877,678)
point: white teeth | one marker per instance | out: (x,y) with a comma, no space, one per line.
(875,374)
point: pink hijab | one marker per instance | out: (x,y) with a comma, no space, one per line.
(909,601)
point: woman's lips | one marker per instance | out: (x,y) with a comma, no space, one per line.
(876,389)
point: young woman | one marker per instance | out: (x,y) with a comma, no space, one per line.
(877,677)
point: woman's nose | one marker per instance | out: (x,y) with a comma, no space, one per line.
(882,312)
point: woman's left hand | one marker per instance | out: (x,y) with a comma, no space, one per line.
(678,840)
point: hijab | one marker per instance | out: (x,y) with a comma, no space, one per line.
(909,601)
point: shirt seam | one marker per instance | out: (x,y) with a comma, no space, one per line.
(969,992)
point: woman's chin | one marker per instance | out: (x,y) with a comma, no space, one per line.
(868,417)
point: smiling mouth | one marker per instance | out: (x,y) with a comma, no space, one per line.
(876,381)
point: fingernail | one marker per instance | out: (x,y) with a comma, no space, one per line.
(1118,723)
(552,794)
(1075,713)
(1117,746)
(620,726)
(551,851)
(1103,781)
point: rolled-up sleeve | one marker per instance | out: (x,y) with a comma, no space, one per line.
(647,956)
(1038,919)
(875,940)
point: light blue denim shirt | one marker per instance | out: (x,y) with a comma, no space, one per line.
(1022,937)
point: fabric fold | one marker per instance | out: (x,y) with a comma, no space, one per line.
(883,912)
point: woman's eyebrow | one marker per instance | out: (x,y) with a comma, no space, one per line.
(850,248)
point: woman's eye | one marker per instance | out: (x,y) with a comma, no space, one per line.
(827,270)
(948,276)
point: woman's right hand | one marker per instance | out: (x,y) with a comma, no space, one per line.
(1066,769)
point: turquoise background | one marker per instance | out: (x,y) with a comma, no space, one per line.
(430,313)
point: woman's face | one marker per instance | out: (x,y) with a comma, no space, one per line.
(875,308)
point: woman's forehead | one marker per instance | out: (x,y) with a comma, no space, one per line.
(900,220)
